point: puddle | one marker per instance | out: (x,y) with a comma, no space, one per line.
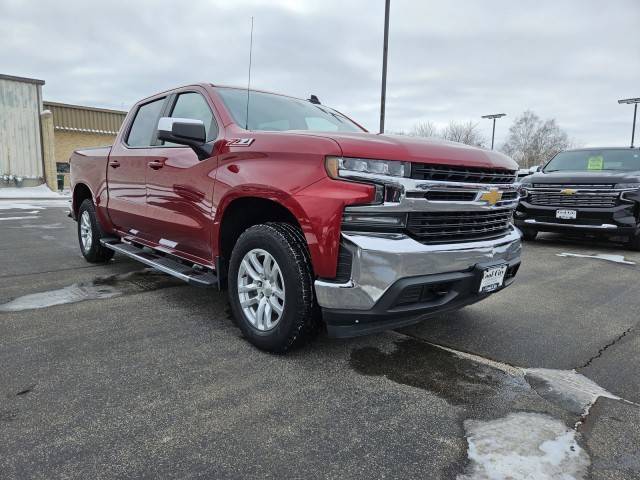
(523,446)
(456,379)
(101,287)
(601,256)
(71,294)
(567,388)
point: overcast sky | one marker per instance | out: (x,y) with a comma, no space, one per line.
(448,60)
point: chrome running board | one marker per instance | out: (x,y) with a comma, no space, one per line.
(194,276)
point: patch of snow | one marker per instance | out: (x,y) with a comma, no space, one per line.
(600,256)
(32,204)
(71,294)
(50,226)
(17,218)
(524,446)
(19,206)
(568,386)
(41,191)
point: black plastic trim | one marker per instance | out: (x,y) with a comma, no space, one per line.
(386,314)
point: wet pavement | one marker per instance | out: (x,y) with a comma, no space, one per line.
(138,375)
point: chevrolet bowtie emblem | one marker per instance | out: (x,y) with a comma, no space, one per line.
(491,197)
(568,191)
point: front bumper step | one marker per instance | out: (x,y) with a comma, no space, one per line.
(193,276)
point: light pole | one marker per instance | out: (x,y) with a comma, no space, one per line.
(635,102)
(493,116)
(383,95)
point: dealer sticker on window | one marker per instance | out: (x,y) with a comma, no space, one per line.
(595,163)
(492,279)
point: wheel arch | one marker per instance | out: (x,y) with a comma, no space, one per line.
(81,192)
(242,212)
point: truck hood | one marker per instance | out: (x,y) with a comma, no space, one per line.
(591,178)
(416,149)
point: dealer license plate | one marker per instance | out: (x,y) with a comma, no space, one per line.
(566,214)
(492,278)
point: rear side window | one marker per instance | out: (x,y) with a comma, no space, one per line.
(145,124)
(193,105)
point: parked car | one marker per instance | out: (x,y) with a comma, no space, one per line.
(525,172)
(591,190)
(303,214)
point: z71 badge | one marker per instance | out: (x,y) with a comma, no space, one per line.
(240,142)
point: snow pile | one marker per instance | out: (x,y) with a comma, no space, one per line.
(568,385)
(41,191)
(600,256)
(524,446)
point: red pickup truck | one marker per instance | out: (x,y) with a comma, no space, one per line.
(303,215)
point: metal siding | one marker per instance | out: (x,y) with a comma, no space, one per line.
(20,144)
(85,119)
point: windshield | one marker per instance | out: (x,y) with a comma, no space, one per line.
(595,160)
(268,111)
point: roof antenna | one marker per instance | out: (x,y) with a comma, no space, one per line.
(246,126)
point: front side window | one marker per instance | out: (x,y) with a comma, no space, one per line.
(595,160)
(145,124)
(193,105)
(268,111)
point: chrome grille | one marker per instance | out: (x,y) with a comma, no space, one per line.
(444,226)
(575,200)
(582,186)
(602,196)
(420,171)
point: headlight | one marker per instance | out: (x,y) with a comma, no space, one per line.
(631,190)
(523,190)
(627,186)
(345,167)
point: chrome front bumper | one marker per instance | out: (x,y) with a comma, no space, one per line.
(381,260)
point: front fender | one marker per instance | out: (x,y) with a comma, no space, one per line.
(317,209)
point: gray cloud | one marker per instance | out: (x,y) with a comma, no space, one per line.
(454,60)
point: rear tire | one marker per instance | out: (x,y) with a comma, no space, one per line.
(271,287)
(529,234)
(89,235)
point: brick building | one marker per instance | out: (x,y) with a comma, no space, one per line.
(75,127)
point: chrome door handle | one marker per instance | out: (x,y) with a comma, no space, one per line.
(156,165)
(114,163)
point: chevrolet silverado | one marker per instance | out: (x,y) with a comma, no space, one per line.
(304,216)
(584,191)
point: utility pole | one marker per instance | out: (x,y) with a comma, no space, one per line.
(493,116)
(635,102)
(383,96)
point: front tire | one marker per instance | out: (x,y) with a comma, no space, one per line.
(528,234)
(271,287)
(634,242)
(89,235)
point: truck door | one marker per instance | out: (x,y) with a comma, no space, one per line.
(180,186)
(127,169)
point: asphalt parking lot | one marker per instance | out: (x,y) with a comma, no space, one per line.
(118,371)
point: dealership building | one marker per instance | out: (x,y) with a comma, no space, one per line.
(37,137)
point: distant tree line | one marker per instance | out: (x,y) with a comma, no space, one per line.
(531,141)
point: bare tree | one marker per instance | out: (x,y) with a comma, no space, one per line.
(464,132)
(532,141)
(424,129)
